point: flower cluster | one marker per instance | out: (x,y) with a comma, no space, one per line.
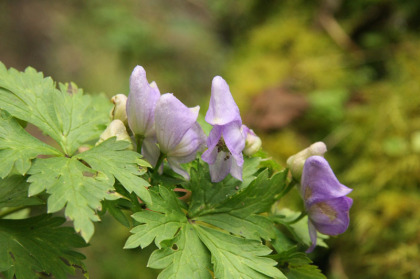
(161,126)
(325,198)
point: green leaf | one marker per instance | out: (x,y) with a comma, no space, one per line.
(299,229)
(250,227)
(305,272)
(18,147)
(297,265)
(235,257)
(161,224)
(66,115)
(185,257)
(112,158)
(256,198)
(36,245)
(207,195)
(73,185)
(113,208)
(14,192)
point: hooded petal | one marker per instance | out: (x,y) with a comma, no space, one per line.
(319,182)
(312,235)
(150,150)
(236,169)
(222,108)
(141,103)
(173,119)
(175,164)
(235,140)
(221,167)
(209,156)
(332,216)
(193,141)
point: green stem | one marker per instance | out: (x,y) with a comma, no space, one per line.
(303,214)
(159,161)
(139,142)
(11,210)
(288,188)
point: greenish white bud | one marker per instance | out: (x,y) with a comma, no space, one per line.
(252,143)
(295,163)
(115,129)
(119,111)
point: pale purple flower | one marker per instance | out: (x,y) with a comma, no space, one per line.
(226,140)
(325,199)
(178,133)
(141,104)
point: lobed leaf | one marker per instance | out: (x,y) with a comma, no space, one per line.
(112,158)
(14,192)
(158,226)
(72,185)
(18,147)
(37,245)
(66,115)
(235,257)
(185,257)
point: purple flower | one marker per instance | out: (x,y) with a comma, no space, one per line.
(226,140)
(325,199)
(178,133)
(141,104)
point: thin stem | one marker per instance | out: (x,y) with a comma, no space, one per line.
(288,188)
(159,161)
(139,142)
(11,210)
(303,214)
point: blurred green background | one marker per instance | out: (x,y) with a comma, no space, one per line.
(344,72)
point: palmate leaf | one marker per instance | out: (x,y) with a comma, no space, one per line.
(235,257)
(14,192)
(160,224)
(185,257)
(18,147)
(66,115)
(38,245)
(238,213)
(250,227)
(112,158)
(71,184)
(206,196)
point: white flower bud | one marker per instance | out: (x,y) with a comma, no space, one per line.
(119,110)
(252,143)
(115,129)
(295,163)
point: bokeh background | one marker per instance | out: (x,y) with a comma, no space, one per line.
(344,72)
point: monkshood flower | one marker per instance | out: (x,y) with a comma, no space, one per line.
(325,199)
(179,135)
(226,140)
(141,105)
(252,141)
(295,163)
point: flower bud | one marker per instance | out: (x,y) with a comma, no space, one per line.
(115,129)
(296,162)
(119,111)
(252,141)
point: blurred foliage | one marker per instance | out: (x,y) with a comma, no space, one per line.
(356,63)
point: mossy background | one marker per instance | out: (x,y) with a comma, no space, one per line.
(344,72)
